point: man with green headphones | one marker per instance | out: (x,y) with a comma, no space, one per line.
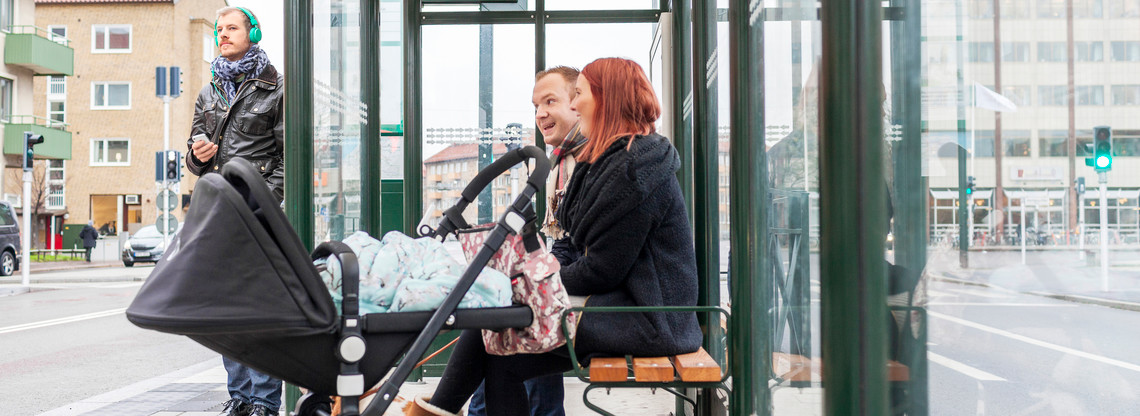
(240,114)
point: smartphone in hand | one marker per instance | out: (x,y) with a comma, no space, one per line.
(199,137)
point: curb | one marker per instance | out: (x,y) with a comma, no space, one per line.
(1110,303)
(45,269)
(1117,304)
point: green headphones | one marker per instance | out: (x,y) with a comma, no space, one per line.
(254,30)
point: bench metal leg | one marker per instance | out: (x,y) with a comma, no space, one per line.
(675,392)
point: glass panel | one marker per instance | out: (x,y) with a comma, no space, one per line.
(1030,191)
(100,95)
(337,118)
(5,99)
(100,37)
(477,87)
(119,37)
(119,95)
(118,151)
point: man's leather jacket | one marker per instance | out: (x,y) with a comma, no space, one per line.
(252,127)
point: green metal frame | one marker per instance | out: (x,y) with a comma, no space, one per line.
(371,158)
(852,210)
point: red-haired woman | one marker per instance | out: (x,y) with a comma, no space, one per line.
(624,212)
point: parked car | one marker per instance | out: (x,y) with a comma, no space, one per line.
(9,240)
(145,246)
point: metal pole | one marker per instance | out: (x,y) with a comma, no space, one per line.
(26,235)
(963,203)
(1022,228)
(371,153)
(1081,225)
(413,147)
(164,229)
(1103,176)
(683,98)
(750,362)
(486,114)
(852,209)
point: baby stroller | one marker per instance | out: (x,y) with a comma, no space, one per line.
(238,280)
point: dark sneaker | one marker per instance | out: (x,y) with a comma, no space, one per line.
(234,407)
(259,410)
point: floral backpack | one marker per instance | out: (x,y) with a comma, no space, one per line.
(535,282)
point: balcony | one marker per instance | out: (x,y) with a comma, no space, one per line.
(57,140)
(38,50)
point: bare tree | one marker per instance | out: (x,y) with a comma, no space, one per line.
(41,188)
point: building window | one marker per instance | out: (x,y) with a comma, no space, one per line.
(1090,51)
(1126,95)
(1126,146)
(5,100)
(1123,8)
(1053,146)
(1053,95)
(1051,52)
(1014,9)
(984,143)
(981,52)
(1051,9)
(208,48)
(111,96)
(110,38)
(1015,51)
(110,152)
(1090,95)
(981,9)
(57,111)
(58,34)
(1126,51)
(1015,143)
(7,9)
(57,85)
(1019,94)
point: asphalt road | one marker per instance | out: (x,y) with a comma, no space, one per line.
(997,352)
(65,342)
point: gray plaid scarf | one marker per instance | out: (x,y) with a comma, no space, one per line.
(228,72)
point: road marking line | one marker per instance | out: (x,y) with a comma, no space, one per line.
(60,321)
(962,368)
(1039,343)
(1036,305)
(980,293)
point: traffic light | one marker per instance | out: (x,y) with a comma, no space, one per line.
(1102,149)
(175,81)
(1080,186)
(969,185)
(173,169)
(30,140)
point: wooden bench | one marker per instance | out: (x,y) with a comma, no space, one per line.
(694,367)
(797,368)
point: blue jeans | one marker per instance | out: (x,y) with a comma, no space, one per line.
(251,386)
(546,395)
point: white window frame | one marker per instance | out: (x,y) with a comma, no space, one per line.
(51,80)
(101,142)
(94,106)
(130,39)
(50,112)
(208,48)
(54,37)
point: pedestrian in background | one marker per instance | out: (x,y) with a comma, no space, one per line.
(240,115)
(89,235)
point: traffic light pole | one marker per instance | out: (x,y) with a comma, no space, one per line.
(26,234)
(165,149)
(1103,176)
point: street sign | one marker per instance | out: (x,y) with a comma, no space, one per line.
(167,200)
(166,223)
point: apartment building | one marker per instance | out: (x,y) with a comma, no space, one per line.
(110,104)
(1066,73)
(31,52)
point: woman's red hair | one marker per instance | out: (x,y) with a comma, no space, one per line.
(625,104)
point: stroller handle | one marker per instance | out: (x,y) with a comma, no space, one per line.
(453,217)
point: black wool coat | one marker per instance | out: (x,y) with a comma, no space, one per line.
(626,216)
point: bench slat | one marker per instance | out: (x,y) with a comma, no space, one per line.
(652,369)
(608,369)
(697,366)
(793,367)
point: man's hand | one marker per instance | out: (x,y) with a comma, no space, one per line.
(204,150)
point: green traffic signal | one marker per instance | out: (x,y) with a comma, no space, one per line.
(1102,145)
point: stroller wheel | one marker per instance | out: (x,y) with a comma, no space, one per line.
(313,405)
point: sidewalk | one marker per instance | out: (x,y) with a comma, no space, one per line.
(199,390)
(1058,275)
